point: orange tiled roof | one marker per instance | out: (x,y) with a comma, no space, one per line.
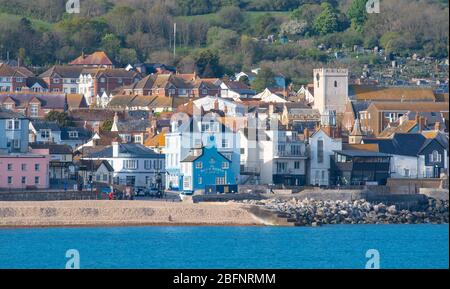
(361,147)
(158,140)
(366,92)
(430,134)
(405,127)
(96,58)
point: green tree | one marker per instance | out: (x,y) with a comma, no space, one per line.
(127,56)
(207,63)
(327,21)
(358,14)
(106,125)
(111,44)
(62,118)
(230,17)
(264,79)
(222,39)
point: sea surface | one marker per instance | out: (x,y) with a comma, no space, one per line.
(339,246)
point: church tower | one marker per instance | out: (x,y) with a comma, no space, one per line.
(330,89)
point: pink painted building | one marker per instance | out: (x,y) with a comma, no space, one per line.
(25,170)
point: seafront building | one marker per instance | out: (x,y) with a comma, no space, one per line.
(20,166)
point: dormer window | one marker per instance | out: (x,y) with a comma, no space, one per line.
(56,80)
(34,110)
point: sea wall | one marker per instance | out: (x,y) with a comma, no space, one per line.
(309,212)
(50,196)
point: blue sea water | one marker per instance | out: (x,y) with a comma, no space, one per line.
(340,246)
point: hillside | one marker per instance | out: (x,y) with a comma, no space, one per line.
(217,37)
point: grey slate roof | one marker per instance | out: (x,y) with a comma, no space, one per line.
(54,149)
(127,150)
(8,114)
(405,144)
(83,134)
(40,124)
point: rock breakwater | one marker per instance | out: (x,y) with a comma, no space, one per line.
(310,212)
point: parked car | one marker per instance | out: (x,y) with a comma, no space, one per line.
(142,192)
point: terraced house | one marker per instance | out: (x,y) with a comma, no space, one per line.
(14,78)
(33,105)
(62,78)
(95,83)
(174,85)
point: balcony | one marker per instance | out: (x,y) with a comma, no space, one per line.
(285,154)
(250,171)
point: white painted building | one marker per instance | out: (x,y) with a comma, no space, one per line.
(86,87)
(226,105)
(270,97)
(283,158)
(321,148)
(133,164)
(192,133)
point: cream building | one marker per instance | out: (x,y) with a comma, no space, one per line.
(330,89)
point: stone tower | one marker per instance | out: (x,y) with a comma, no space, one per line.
(330,89)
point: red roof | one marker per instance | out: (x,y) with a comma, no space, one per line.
(98,58)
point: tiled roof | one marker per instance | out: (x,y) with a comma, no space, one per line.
(47,100)
(127,150)
(6,70)
(407,144)
(83,134)
(94,165)
(140,125)
(374,93)
(158,140)
(8,114)
(41,124)
(54,149)
(411,106)
(405,127)
(63,71)
(96,58)
(75,101)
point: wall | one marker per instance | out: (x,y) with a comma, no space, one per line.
(50,196)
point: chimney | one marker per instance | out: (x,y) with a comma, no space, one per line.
(115,148)
(306,134)
(271,110)
(216,104)
(422,123)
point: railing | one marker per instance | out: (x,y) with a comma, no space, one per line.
(250,170)
(290,154)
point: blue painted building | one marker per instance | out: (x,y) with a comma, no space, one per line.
(205,167)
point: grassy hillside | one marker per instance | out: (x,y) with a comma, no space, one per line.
(251,16)
(37,24)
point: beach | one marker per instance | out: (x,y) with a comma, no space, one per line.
(124,213)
